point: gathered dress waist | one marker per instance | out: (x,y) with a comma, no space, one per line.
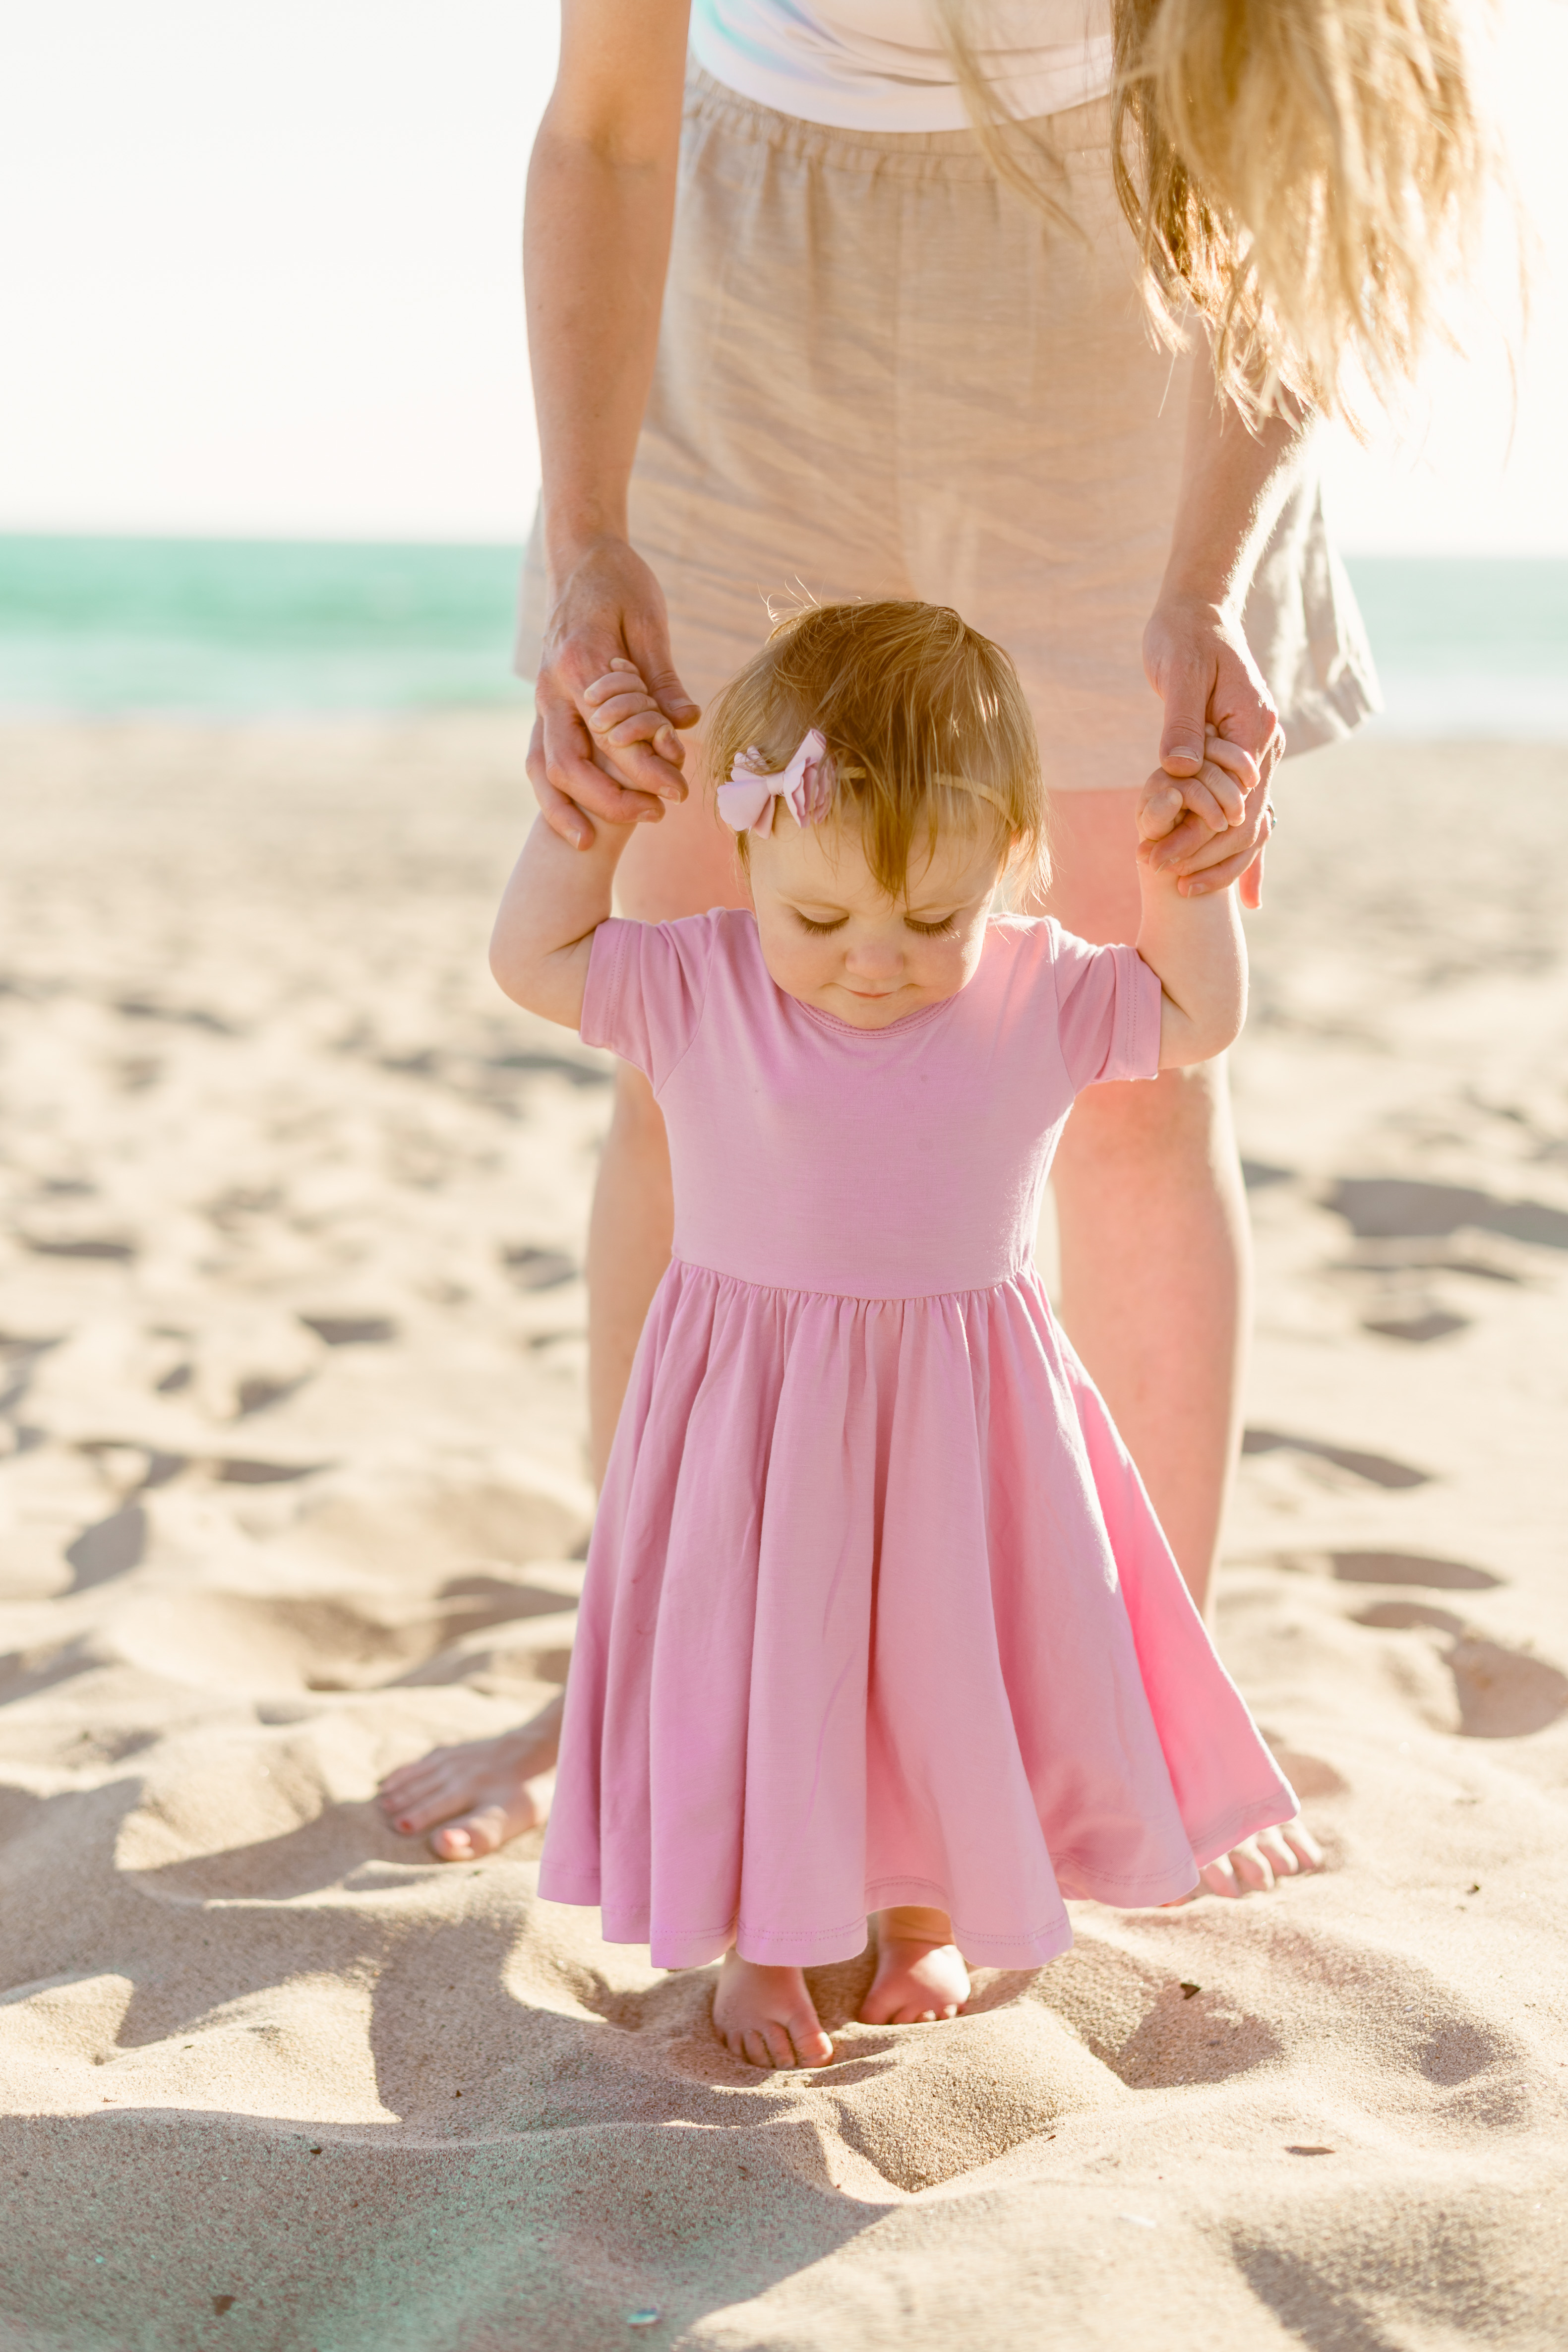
(1024,1276)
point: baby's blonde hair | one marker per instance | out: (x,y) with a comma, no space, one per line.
(925,723)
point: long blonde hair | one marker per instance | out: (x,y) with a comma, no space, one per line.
(1306,175)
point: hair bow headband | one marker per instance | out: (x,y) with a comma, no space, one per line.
(746,803)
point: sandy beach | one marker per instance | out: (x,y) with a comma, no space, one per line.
(293,1486)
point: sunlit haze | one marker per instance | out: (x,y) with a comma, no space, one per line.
(262,277)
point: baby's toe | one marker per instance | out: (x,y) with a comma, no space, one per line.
(812,2046)
(1299,1838)
(1252,1866)
(1282,1858)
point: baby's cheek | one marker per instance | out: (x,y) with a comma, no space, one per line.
(796,965)
(944,966)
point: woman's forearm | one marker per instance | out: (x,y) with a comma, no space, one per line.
(1233,484)
(596,232)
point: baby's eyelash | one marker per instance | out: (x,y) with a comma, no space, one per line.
(819,930)
(943,931)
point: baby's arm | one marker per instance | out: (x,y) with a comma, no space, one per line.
(553,905)
(1195,947)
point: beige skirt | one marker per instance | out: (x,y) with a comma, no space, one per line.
(882,374)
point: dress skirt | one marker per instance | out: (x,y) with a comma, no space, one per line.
(877,1611)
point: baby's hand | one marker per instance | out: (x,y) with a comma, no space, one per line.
(619,709)
(1211,802)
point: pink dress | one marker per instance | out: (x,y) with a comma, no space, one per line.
(876,1609)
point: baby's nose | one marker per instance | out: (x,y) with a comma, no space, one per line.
(877,960)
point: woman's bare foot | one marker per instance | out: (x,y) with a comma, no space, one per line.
(1255,1865)
(477,1795)
(765,2016)
(920,1977)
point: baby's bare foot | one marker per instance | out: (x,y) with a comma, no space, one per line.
(920,1977)
(765,2016)
(1258,1865)
(477,1795)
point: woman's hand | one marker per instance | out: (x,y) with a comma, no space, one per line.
(1208,828)
(1198,663)
(1215,794)
(609,609)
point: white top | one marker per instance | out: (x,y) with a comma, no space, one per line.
(880,65)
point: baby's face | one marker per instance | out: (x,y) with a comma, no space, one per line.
(831,936)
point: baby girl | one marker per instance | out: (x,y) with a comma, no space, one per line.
(877,1623)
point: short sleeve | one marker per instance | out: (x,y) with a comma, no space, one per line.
(1108,1012)
(648,983)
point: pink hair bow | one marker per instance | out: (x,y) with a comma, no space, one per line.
(746,802)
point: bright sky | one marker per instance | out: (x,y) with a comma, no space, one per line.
(261,276)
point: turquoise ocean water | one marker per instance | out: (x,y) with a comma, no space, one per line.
(232,628)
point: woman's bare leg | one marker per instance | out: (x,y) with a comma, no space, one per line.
(1161,1328)
(628,1249)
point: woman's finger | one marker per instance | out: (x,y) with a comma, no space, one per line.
(561,816)
(1185,688)
(1230,842)
(658,673)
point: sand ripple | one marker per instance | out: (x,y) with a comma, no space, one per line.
(293,1488)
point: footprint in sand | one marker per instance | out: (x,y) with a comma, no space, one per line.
(1501,1692)
(351,1330)
(538,1269)
(1411,1568)
(272,1646)
(1406,1230)
(1381,1208)
(1131,2015)
(1374,1469)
